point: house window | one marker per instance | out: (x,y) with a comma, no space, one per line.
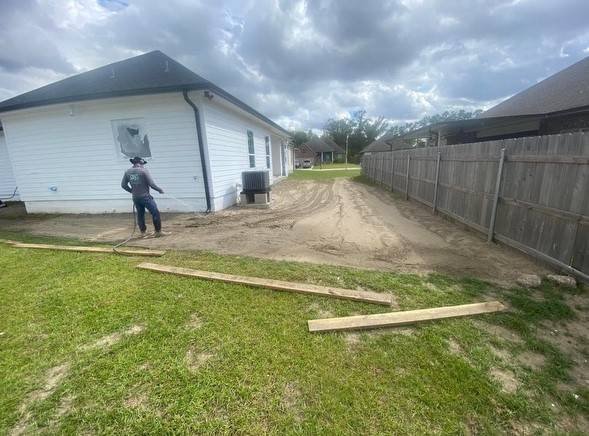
(267,152)
(131,137)
(251,148)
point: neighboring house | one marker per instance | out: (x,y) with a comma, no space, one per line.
(339,154)
(317,151)
(69,142)
(387,142)
(557,104)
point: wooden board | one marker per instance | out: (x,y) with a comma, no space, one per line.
(277,285)
(127,251)
(394,319)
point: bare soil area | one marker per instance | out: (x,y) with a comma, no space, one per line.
(339,222)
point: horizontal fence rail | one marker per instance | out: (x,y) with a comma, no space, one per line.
(530,193)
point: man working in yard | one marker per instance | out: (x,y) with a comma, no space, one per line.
(140,181)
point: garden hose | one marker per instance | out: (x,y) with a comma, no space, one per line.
(130,236)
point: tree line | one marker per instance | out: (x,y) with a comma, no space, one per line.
(361,130)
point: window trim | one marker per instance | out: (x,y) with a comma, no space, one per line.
(268,155)
(251,148)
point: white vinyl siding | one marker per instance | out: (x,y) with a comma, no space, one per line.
(229,157)
(70,148)
(7,180)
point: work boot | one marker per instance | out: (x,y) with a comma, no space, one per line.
(160,234)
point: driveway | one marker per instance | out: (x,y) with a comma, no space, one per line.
(339,222)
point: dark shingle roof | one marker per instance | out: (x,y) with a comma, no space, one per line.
(567,89)
(318,145)
(387,142)
(336,148)
(150,73)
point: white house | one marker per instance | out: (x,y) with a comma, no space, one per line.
(67,144)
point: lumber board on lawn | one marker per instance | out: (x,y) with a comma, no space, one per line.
(81,249)
(277,285)
(393,319)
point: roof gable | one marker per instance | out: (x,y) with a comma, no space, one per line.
(150,73)
(567,89)
(334,146)
(317,145)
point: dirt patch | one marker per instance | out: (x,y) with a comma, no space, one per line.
(291,399)
(339,222)
(431,287)
(531,360)
(51,381)
(137,401)
(501,353)
(570,338)
(500,331)
(110,340)
(352,341)
(194,360)
(320,312)
(65,406)
(194,322)
(572,424)
(455,347)
(509,383)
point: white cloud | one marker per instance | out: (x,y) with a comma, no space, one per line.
(302,62)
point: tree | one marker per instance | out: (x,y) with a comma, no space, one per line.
(338,130)
(298,138)
(358,129)
(399,129)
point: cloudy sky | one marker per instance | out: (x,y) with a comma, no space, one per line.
(301,62)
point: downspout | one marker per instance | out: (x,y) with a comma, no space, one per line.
(201,148)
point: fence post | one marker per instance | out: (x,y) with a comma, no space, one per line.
(435,202)
(379,171)
(392,172)
(496,197)
(407,178)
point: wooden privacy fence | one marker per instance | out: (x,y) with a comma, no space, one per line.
(530,193)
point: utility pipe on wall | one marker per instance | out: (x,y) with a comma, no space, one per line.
(201,148)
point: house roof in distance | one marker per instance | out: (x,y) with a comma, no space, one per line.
(149,73)
(568,89)
(387,142)
(336,148)
(317,145)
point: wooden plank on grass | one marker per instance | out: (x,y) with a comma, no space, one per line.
(127,251)
(394,319)
(277,285)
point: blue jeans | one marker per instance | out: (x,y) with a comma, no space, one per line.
(142,203)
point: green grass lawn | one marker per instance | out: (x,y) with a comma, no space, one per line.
(91,345)
(323,175)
